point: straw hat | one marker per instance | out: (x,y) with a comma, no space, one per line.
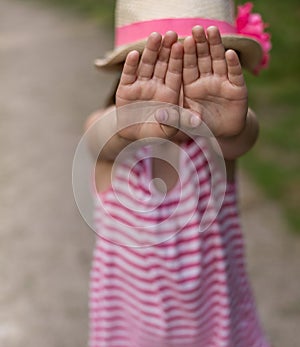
(136,19)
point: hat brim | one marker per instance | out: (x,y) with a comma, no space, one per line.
(248,49)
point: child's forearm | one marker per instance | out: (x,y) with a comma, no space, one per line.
(111,131)
(235,146)
(103,139)
(105,142)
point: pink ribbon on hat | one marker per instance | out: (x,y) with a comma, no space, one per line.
(247,24)
(182,26)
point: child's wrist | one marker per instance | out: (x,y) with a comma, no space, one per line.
(237,145)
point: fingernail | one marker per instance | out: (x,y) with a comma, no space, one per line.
(195,121)
(162,116)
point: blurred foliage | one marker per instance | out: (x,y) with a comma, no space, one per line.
(274,161)
(102,10)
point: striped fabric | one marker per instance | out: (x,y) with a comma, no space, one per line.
(157,279)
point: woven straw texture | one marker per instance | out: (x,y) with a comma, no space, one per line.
(129,11)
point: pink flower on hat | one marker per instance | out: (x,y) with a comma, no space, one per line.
(252,25)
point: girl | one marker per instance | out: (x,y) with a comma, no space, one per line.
(186,283)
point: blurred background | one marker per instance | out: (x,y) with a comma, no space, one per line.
(48,86)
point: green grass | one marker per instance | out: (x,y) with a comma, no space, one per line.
(274,162)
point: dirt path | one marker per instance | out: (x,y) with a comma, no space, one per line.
(47,87)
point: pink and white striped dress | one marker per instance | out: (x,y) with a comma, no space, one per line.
(159,280)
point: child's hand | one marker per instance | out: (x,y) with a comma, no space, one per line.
(157,77)
(213,83)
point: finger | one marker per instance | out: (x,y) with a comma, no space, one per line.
(149,56)
(129,73)
(203,53)
(189,120)
(169,131)
(164,55)
(174,71)
(235,73)
(168,119)
(217,51)
(178,118)
(190,65)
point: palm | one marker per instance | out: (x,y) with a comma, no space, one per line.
(213,83)
(155,77)
(150,90)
